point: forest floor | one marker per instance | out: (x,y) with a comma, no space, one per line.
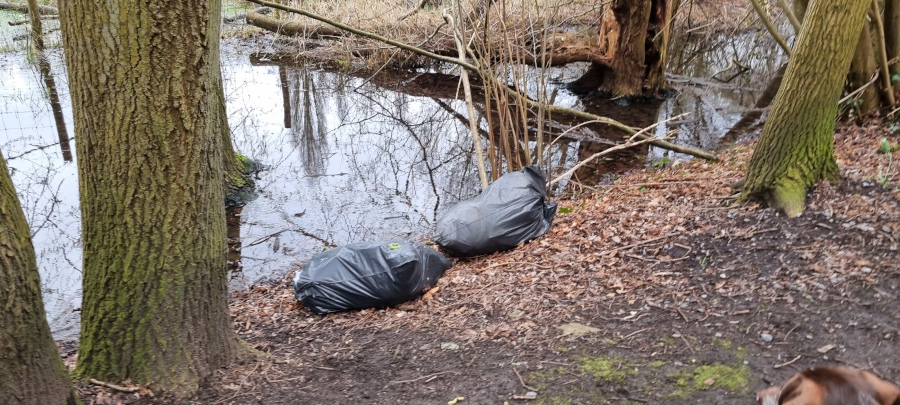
(647,290)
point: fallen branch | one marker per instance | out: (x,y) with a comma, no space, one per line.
(114,386)
(289,28)
(553,109)
(48,10)
(241,16)
(21,22)
(625,145)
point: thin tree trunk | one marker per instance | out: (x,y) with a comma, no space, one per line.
(892,36)
(43,10)
(796,148)
(887,90)
(235,172)
(154,309)
(31,372)
(660,26)
(861,70)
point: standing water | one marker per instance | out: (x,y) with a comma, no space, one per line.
(344,158)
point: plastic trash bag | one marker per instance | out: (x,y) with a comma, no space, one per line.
(367,275)
(509,212)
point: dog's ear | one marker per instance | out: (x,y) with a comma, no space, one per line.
(896,401)
(790,389)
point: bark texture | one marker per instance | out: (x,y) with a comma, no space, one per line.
(623,37)
(861,70)
(150,175)
(235,174)
(892,35)
(633,48)
(31,371)
(796,148)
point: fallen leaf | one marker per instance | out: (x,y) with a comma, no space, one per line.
(449,346)
(576,329)
(825,349)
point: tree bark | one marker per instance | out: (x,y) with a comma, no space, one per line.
(31,372)
(861,70)
(623,37)
(235,171)
(796,148)
(660,29)
(892,35)
(150,168)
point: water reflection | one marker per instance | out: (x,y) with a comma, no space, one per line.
(348,157)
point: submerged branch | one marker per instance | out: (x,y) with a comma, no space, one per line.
(44,10)
(628,130)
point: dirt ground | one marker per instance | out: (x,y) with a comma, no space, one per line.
(691,301)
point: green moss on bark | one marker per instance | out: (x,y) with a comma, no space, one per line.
(796,148)
(31,371)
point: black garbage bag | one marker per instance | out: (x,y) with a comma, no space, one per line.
(509,212)
(367,275)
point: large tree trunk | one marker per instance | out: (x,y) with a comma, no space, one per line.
(796,148)
(634,41)
(31,371)
(150,175)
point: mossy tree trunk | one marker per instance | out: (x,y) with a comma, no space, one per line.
(31,372)
(796,147)
(235,173)
(150,168)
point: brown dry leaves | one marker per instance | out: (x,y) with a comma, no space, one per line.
(681,233)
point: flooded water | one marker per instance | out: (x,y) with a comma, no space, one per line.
(345,157)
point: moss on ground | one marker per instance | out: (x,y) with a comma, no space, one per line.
(609,369)
(731,378)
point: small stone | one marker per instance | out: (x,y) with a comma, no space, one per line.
(866,270)
(676,335)
(808,337)
(449,346)
(709,381)
(766,337)
(530,395)
(718,334)
(723,275)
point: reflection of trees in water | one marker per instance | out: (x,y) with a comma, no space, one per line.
(308,129)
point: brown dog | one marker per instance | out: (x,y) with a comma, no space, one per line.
(831,386)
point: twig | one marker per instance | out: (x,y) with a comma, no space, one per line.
(688,345)
(882,59)
(788,363)
(554,109)
(651,240)
(634,333)
(114,386)
(412,10)
(523,381)
(422,378)
(860,89)
(627,144)
(790,15)
(769,26)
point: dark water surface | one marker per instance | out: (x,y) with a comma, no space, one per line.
(346,157)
